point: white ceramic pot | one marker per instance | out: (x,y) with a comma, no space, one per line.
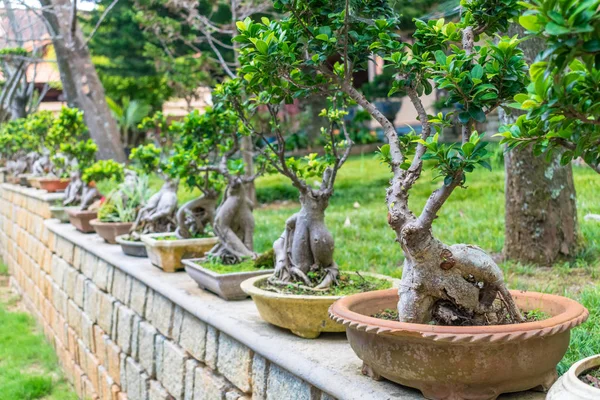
(569,387)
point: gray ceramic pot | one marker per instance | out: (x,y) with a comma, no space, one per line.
(132,248)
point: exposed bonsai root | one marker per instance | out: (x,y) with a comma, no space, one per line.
(158,215)
(74,190)
(456,285)
(89,196)
(195,216)
(234,225)
(306,246)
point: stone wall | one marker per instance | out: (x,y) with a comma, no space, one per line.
(123,329)
(117,338)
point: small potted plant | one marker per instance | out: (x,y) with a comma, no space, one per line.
(193,235)
(38,125)
(120,208)
(65,130)
(81,196)
(211,144)
(158,213)
(307,279)
(20,149)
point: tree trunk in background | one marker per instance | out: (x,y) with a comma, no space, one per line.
(541,213)
(80,76)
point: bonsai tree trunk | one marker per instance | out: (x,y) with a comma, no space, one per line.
(158,215)
(194,216)
(306,245)
(541,213)
(80,79)
(234,225)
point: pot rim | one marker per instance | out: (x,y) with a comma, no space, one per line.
(150,240)
(249,287)
(97,222)
(47,179)
(194,263)
(572,314)
(77,213)
(120,240)
(572,375)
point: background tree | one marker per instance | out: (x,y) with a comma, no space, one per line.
(563,99)
(128,114)
(81,84)
(540,208)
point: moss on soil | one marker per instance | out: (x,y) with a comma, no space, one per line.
(174,237)
(264,261)
(348,283)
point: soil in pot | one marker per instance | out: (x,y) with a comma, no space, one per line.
(306,314)
(460,362)
(591,377)
(348,283)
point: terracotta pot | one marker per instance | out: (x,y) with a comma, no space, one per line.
(81,219)
(110,230)
(130,247)
(167,254)
(59,213)
(226,286)
(465,362)
(304,315)
(569,387)
(52,185)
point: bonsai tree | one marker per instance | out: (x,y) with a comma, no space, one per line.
(304,252)
(562,103)
(80,156)
(19,147)
(210,143)
(125,201)
(38,125)
(289,58)
(158,213)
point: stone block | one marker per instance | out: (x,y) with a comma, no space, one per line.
(137,380)
(212,347)
(103,275)
(161,314)
(124,328)
(87,332)
(121,286)
(88,264)
(58,271)
(157,392)
(260,373)
(113,359)
(171,370)
(146,347)
(59,300)
(138,296)
(234,362)
(90,300)
(70,280)
(79,290)
(208,386)
(192,336)
(108,389)
(106,305)
(99,344)
(281,383)
(74,317)
(190,369)
(65,249)
(92,370)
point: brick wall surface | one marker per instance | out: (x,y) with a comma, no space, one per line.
(115,337)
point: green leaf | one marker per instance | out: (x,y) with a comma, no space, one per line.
(485,165)
(440,57)
(241,25)
(529,22)
(591,46)
(464,117)
(477,114)
(448,180)
(262,46)
(556,30)
(323,37)
(477,72)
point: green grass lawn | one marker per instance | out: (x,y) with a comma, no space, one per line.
(28,364)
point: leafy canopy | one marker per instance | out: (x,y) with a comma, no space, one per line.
(563,99)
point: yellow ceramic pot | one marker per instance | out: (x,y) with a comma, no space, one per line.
(306,316)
